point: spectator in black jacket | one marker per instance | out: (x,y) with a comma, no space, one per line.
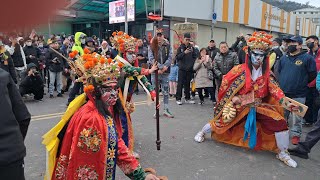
(6,63)
(238,46)
(32,83)
(275,55)
(186,56)
(18,56)
(56,65)
(212,49)
(14,123)
(32,53)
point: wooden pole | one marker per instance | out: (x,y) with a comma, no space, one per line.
(156,75)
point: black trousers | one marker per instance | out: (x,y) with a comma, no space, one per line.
(184,79)
(312,138)
(13,171)
(74,91)
(312,113)
(209,90)
(36,91)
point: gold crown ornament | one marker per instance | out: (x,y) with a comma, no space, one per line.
(93,66)
(259,41)
(123,42)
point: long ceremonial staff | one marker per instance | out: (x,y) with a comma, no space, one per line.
(155,49)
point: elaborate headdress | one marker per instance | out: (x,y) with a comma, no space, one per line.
(123,42)
(95,68)
(260,41)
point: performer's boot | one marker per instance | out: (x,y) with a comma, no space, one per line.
(200,135)
(282,139)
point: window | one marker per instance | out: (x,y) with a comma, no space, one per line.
(311,12)
(316,12)
(305,13)
(294,12)
(300,12)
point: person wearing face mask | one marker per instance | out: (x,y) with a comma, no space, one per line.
(6,62)
(224,61)
(79,44)
(97,121)
(284,46)
(275,55)
(247,113)
(105,49)
(296,70)
(31,52)
(312,99)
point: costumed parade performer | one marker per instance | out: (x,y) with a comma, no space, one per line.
(87,142)
(249,111)
(126,45)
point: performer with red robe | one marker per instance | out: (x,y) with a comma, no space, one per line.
(90,146)
(249,111)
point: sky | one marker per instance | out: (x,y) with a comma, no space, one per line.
(312,2)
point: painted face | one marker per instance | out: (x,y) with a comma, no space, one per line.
(257,57)
(130,57)
(109,95)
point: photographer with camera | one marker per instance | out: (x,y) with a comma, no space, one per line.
(238,46)
(56,65)
(32,83)
(186,56)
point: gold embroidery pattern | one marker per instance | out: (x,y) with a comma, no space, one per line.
(89,140)
(61,167)
(234,88)
(86,173)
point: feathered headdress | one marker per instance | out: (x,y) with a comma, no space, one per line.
(123,42)
(94,67)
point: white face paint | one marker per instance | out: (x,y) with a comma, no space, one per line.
(130,57)
(257,57)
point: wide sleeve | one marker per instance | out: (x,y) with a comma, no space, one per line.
(128,163)
(275,90)
(137,71)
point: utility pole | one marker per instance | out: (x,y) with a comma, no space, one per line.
(212,24)
(126,16)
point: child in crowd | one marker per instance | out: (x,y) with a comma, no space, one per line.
(173,79)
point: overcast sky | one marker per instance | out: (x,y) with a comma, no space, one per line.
(312,2)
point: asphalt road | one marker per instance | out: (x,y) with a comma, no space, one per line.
(180,157)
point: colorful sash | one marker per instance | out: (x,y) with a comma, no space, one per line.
(112,149)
